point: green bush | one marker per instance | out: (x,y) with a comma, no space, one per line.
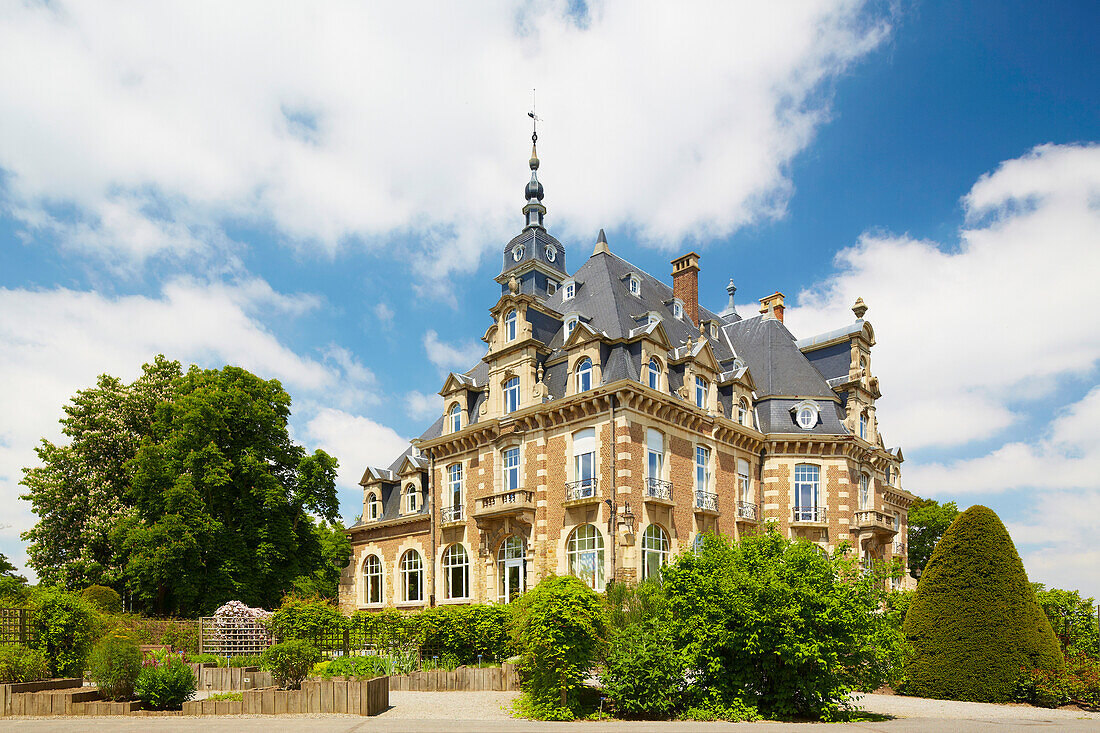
(1072,618)
(558,632)
(465,631)
(20,664)
(114,666)
(643,674)
(306,618)
(1078,682)
(369,666)
(776,625)
(227,696)
(165,681)
(708,710)
(64,626)
(245,660)
(974,622)
(290,662)
(103,598)
(205,659)
(179,634)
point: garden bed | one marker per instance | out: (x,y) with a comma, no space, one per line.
(340,696)
(471,679)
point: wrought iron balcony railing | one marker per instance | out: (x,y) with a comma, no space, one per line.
(745,510)
(453,513)
(655,488)
(899,549)
(583,489)
(706,501)
(809,514)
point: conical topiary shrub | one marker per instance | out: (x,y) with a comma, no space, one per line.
(974,621)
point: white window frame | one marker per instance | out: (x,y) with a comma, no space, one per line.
(568,291)
(655,454)
(455,415)
(412,567)
(584,375)
(584,552)
(634,285)
(410,495)
(743,411)
(511,395)
(655,550)
(512,548)
(510,465)
(807,480)
(863,424)
(703,476)
(454,484)
(456,567)
(702,392)
(372,580)
(677,310)
(864,491)
(570,326)
(744,481)
(510,319)
(374,507)
(584,460)
(654,368)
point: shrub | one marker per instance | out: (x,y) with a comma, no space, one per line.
(204,659)
(105,599)
(558,632)
(643,673)
(777,626)
(735,712)
(165,681)
(1078,682)
(114,666)
(230,696)
(305,618)
(245,660)
(1072,618)
(179,634)
(369,666)
(465,631)
(974,622)
(20,664)
(290,662)
(64,627)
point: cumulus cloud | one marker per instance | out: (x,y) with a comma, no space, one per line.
(357,442)
(423,406)
(140,130)
(452,357)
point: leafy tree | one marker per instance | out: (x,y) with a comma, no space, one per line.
(324,581)
(1073,619)
(778,626)
(928,520)
(222,498)
(64,626)
(78,491)
(974,623)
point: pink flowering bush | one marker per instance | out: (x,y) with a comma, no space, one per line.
(241,629)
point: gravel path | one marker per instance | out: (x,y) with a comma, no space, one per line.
(450,705)
(901,706)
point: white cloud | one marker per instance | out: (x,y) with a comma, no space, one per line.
(357,442)
(58,341)
(449,357)
(966,334)
(384,314)
(423,406)
(137,130)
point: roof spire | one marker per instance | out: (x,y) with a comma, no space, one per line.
(731,309)
(601,244)
(533,211)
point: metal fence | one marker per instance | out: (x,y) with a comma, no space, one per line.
(357,640)
(230,637)
(15,626)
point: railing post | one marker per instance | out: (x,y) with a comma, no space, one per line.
(346,642)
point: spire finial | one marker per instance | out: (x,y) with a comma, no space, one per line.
(859,308)
(601,244)
(731,309)
(534,210)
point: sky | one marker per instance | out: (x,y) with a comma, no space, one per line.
(321,194)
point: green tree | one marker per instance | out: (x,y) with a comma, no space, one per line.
(1073,619)
(12,586)
(778,625)
(324,581)
(973,622)
(928,520)
(222,498)
(78,491)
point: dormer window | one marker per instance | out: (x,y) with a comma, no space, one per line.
(455,417)
(701,392)
(374,507)
(551,255)
(551,287)
(511,395)
(743,411)
(410,499)
(806,414)
(677,309)
(635,285)
(568,291)
(584,375)
(517,253)
(653,318)
(569,326)
(654,373)
(713,330)
(510,326)
(863,425)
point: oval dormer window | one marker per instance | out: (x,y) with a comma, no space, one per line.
(807,417)
(550,254)
(517,253)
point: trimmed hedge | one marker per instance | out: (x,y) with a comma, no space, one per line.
(105,599)
(974,622)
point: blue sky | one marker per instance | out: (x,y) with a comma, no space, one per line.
(323,199)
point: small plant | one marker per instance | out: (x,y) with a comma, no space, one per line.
(105,599)
(204,659)
(734,712)
(114,666)
(20,664)
(354,667)
(165,681)
(230,696)
(245,660)
(290,662)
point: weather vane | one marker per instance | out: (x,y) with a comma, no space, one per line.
(535,119)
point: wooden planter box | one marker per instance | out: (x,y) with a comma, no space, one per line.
(504,677)
(8,692)
(211,677)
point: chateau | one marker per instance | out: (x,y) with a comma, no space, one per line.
(612,421)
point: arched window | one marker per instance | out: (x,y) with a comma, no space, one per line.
(511,570)
(510,325)
(411,497)
(584,464)
(584,375)
(863,425)
(456,572)
(455,417)
(654,374)
(374,507)
(677,310)
(372,579)
(412,577)
(806,484)
(743,411)
(654,551)
(698,542)
(569,326)
(511,395)
(701,392)
(864,491)
(585,553)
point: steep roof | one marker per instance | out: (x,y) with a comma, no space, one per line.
(775,362)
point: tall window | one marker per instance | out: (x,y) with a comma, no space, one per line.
(654,551)
(410,499)
(372,579)
(584,462)
(677,310)
(743,411)
(456,418)
(511,469)
(412,577)
(702,468)
(744,481)
(374,507)
(510,325)
(806,483)
(569,326)
(863,425)
(585,553)
(454,484)
(655,456)
(511,395)
(584,375)
(864,491)
(654,374)
(510,568)
(700,392)
(456,572)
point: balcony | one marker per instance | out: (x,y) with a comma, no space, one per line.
(747,512)
(453,515)
(706,502)
(583,492)
(502,504)
(657,491)
(899,549)
(875,522)
(809,516)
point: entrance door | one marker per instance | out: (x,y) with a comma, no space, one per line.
(513,579)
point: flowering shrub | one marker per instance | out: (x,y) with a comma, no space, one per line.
(114,666)
(165,681)
(1078,683)
(241,629)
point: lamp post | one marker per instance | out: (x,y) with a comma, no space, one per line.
(618,517)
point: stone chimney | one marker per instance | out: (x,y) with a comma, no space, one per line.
(772,306)
(685,284)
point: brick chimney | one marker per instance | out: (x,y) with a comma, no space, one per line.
(685,284)
(774,304)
